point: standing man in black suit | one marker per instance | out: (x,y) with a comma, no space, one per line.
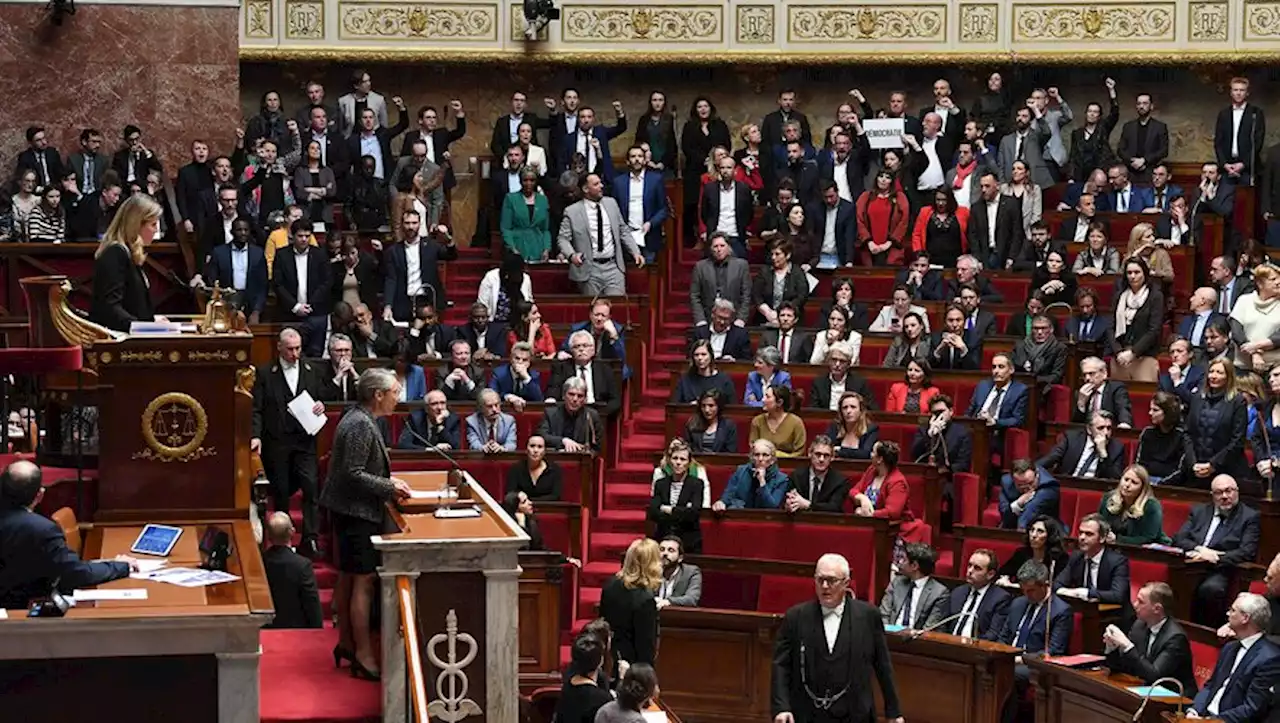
(89,163)
(300,278)
(1220,535)
(773,123)
(374,140)
(826,653)
(216,230)
(834,227)
(333,147)
(1222,274)
(562,121)
(288,452)
(1144,141)
(292,580)
(41,157)
(816,486)
(1238,135)
(995,225)
(726,208)
(802,171)
(981,605)
(592,141)
(134,160)
(1094,571)
(506,131)
(411,269)
(1156,647)
(848,163)
(239,266)
(437,138)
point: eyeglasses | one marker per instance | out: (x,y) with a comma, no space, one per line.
(829,580)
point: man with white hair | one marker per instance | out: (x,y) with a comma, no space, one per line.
(832,683)
(572,426)
(969,271)
(489,429)
(1098,394)
(729,339)
(598,381)
(1239,691)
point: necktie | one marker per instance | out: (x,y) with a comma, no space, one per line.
(88,174)
(1160,200)
(1086,459)
(1123,205)
(813,485)
(1092,579)
(968,324)
(1224,301)
(994,407)
(1018,151)
(582,373)
(493,432)
(1028,620)
(599,230)
(1096,403)
(1198,331)
(786,337)
(967,612)
(44,169)
(1213,528)
(1085,328)
(905,618)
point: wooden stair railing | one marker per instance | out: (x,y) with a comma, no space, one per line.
(412,653)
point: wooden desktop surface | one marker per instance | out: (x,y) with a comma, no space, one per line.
(417,520)
(1068,695)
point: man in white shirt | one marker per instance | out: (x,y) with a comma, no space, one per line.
(936,153)
(980,605)
(592,236)
(1239,691)
(1202,303)
(1157,646)
(914,599)
(1239,134)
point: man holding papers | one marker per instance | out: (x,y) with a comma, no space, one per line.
(284,428)
(34,556)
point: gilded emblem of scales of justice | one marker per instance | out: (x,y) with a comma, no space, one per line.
(174,426)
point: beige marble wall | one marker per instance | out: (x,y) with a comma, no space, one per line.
(1187,99)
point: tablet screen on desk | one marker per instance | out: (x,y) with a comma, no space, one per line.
(156,540)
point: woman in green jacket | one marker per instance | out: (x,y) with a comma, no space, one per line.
(526,226)
(1134,513)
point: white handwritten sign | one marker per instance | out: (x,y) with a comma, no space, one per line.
(884,132)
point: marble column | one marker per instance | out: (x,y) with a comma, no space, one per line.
(238,687)
(502,662)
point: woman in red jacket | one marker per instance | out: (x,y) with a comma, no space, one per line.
(914,395)
(883,492)
(882,223)
(527,325)
(942,230)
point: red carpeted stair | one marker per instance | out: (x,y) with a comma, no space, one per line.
(300,685)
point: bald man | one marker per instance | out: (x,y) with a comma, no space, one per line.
(34,556)
(839,669)
(293,583)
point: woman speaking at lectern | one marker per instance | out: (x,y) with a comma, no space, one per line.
(359,485)
(121,294)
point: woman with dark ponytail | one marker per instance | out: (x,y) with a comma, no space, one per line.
(638,687)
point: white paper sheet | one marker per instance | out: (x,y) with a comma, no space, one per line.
(110,594)
(458,512)
(190,577)
(300,408)
(638,237)
(884,132)
(427,495)
(813,281)
(654,716)
(4,614)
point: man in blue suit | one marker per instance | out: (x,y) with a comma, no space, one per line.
(1025,627)
(1239,691)
(1162,192)
(516,381)
(489,429)
(1088,323)
(1095,571)
(34,556)
(1027,492)
(241,266)
(981,605)
(1203,302)
(1000,401)
(607,333)
(1124,197)
(642,199)
(592,141)
(834,226)
(1219,535)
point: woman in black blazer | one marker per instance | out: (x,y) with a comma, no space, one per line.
(681,517)
(1217,422)
(703,131)
(520,507)
(1042,542)
(795,287)
(627,603)
(706,431)
(121,294)
(357,271)
(1139,317)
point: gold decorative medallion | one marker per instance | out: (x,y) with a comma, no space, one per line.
(106,357)
(174,425)
(245,378)
(241,356)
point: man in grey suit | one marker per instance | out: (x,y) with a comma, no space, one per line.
(361,96)
(1057,117)
(1026,143)
(681,584)
(914,599)
(722,276)
(89,163)
(593,237)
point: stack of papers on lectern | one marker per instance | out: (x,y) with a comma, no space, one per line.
(188,576)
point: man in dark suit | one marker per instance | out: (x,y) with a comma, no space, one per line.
(1094,571)
(1162,191)
(1202,307)
(409,285)
(373,338)
(1026,628)
(562,121)
(642,199)
(439,428)
(89,163)
(720,276)
(460,379)
(195,193)
(240,266)
(914,599)
(729,342)
(374,140)
(824,394)
(436,138)
(1222,274)
(333,146)
(834,226)
(1144,141)
(816,486)
(787,339)
(288,452)
(949,347)
(772,124)
(1124,197)
(1156,647)
(599,386)
(427,338)
(506,129)
(803,172)
(1027,492)
(488,341)
(978,322)
(516,381)
(592,141)
(1001,401)
(34,556)
(301,283)
(95,212)
(1238,135)
(948,445)
(726,208)
(572,426)
(340,376)
(1000,243)
(847,165)
(832,661)
(1220,535)
(981,605)
(1240,689)
(1088,324)
(1098,393)
(292,580)
(1090,452)
(1041,355)
(41,157)
(924,283)
(605,333)
(1075,228)
(134,160)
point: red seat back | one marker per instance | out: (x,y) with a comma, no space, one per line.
(1203,659)
(730,590)
(792,541)
(779,592)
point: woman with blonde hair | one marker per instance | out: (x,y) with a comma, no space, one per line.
(1258,313)
(666,469)
(1142,244)
(121,292)
(1135,515)
(628,604)
(1217,423)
